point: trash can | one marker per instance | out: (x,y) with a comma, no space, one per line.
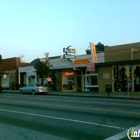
(108,88)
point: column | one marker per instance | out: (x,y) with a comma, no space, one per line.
(132,77)
(19,78)
(27,78)
(35,77)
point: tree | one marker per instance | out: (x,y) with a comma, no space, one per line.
(0,70)
(0,59)
(42,69)
(99,48)
(0,62)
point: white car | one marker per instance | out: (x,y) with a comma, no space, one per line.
(34,88)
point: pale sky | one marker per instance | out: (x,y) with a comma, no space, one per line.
(33,27)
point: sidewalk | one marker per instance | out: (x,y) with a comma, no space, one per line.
(9,132)
(130,96)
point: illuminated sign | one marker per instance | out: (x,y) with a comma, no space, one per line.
(93,52)
(68,73)
(82,61)
(49,79)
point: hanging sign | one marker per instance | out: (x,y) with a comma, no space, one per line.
(90,67)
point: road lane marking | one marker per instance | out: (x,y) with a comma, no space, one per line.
(92,102)
(59,118)
(74,106)
(8,96)
(121,135)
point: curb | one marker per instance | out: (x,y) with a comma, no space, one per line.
(85,96)
(88,96)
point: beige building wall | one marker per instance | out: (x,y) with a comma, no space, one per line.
(122,52)
(105,77)
(59,80)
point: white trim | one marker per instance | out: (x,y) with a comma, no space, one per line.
(85,79)
(91,74)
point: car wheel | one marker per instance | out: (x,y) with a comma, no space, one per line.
(21,91)
(33,92)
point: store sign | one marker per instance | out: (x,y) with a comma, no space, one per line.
(68,56)
(70,53)
(93,52)
(49,79)
(68,50)
(68,73)
(82,61)
(90,67)
(127,71)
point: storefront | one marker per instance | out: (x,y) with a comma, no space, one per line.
(71,80)
(122,83)
(114,73)
(66,75)
(91,81)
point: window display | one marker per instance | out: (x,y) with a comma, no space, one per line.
(68,81)
(91,80)
(137,79)
(120,78)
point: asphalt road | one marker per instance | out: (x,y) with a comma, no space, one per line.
(74,118)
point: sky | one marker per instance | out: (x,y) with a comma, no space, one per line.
(29,28)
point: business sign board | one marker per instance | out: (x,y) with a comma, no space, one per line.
(93,52)
(81,61)
(70,53)
(68,56)
(68,73)
(49,79)
(68,50)
(90,67)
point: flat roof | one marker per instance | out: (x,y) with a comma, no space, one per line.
(125,62)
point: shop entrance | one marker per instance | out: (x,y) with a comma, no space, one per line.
(79,82)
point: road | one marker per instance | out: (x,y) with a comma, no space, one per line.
(73,118)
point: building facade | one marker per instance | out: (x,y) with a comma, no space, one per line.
(8,76)
(66,75)
(119,59)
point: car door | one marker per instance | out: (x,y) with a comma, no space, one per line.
(31,87)
(25,89)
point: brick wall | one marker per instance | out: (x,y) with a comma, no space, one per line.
(10,64)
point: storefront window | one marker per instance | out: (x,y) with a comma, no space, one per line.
(91,80)
(120,82)
(68,80)
(137,79)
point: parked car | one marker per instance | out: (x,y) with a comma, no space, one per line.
(34,88)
